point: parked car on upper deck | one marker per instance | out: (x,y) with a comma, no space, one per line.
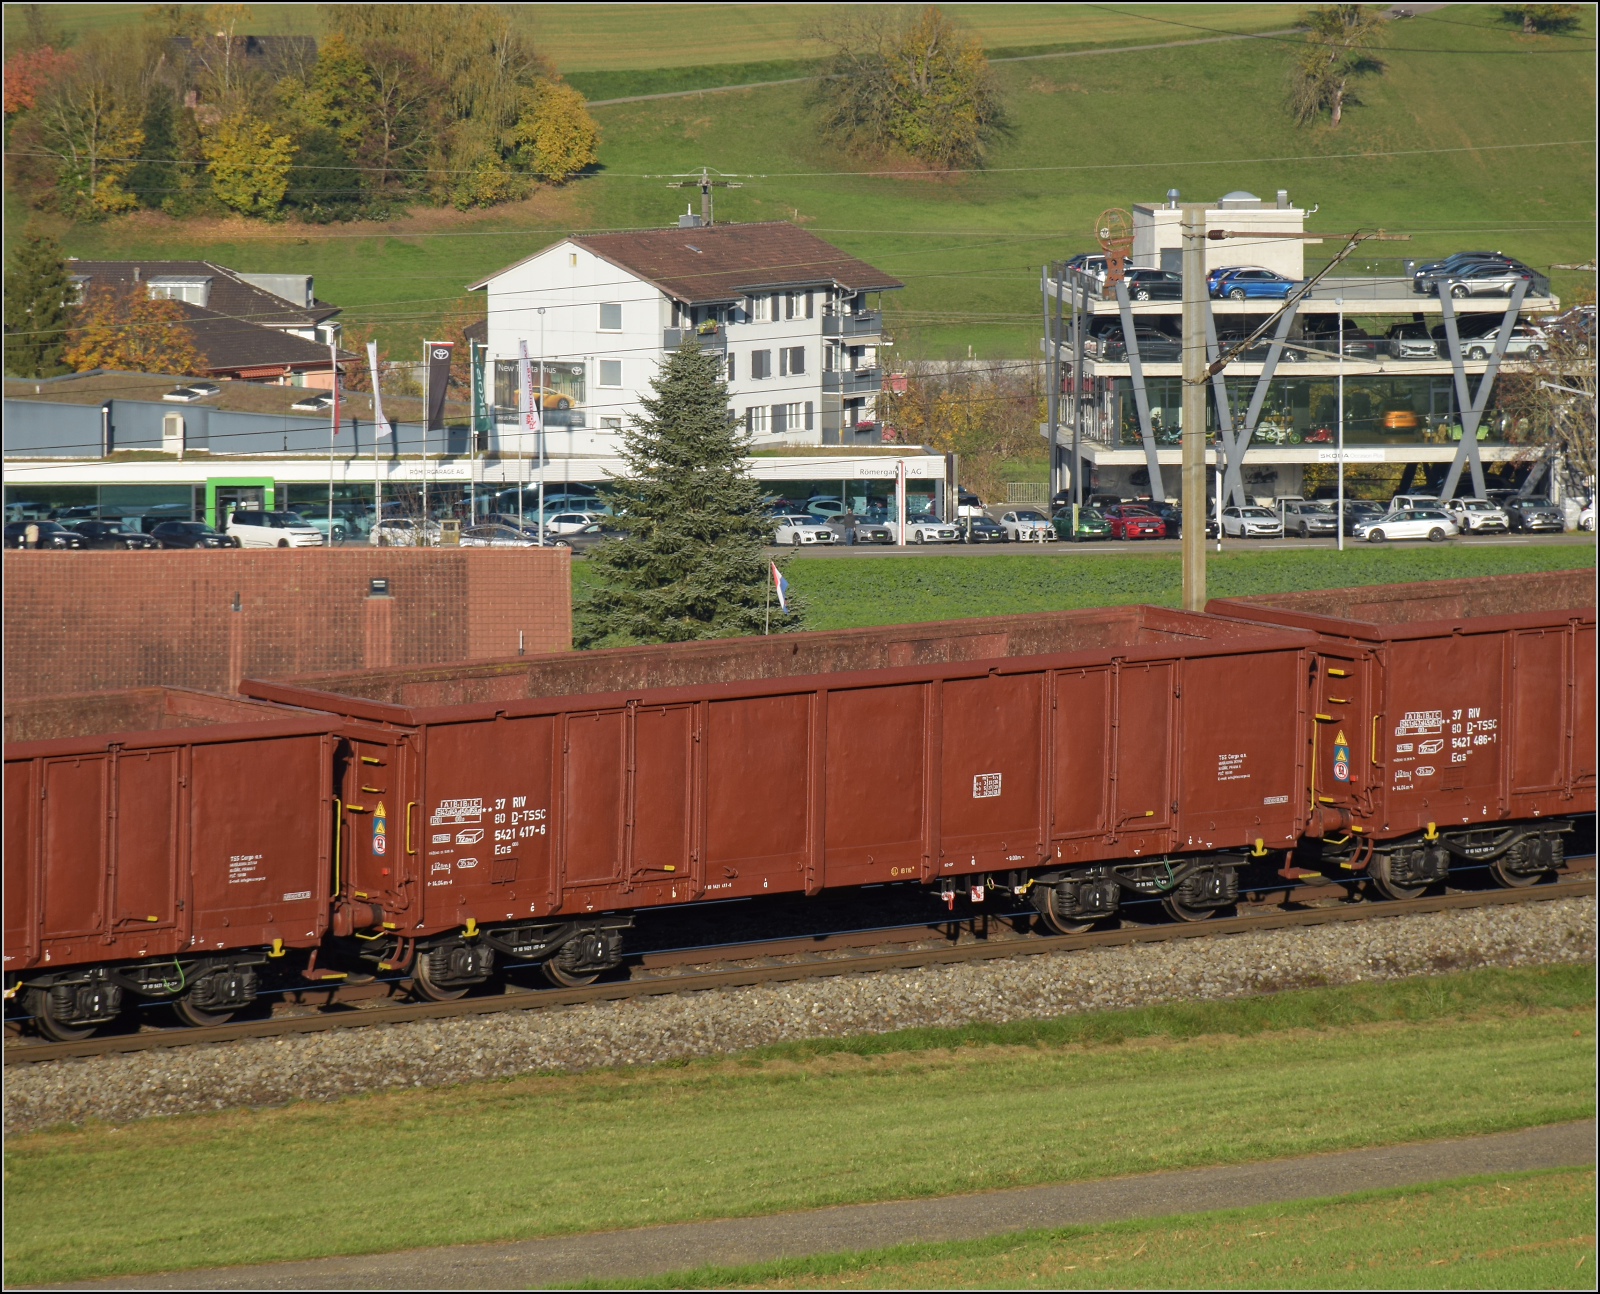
(1253,285)
(1154,285)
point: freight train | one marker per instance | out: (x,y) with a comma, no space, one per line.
(438,825)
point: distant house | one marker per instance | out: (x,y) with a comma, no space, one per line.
(794,319)
(259,327)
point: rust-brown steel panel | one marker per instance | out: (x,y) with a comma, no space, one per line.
(1237,769)
(661,817)
(992,738)
(21,864)
(145,851)
(1581,719)
(758,773)
(875,783)
(1535,728)
(74,862)
(257,862)
(595,784)
(1143,793)
(1081,733)
(489,801)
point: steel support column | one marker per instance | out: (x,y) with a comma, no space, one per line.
(1141,399)
(1472,410)
(1240,442)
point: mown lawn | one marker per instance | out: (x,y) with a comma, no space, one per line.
(1514,1231)
(924,1113)
(848,592)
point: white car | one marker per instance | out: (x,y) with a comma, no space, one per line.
(1027,526)
(570,523)
(925,530)
(1251,523)
(402,532)
(1477,515)
(273,530)
(798,530)
(1586,518)
(1409,523)
(1401,502)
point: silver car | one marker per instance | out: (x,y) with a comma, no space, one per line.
(1307,518)
(1411,523)
(801,529)
(496,536)
(1490,279)
(1026,526)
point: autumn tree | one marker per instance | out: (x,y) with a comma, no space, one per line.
(1546,19)
(557,137)
(37,309)
(988,414)
(29,71)
(248,164)
(123,328)
(83,135)
(1336,53)
(907,81)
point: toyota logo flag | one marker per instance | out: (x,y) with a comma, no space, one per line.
(438,381)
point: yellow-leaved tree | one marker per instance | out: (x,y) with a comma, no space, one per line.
(248,164)
(556,136)
(123,329)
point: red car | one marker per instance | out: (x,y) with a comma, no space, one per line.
(1129,521)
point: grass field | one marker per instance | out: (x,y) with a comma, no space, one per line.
(848,592)
(1085,133)
(1162,1087)
(1516,1231)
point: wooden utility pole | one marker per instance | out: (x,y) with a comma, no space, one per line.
(1194,408)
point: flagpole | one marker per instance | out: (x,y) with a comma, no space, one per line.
(333,355)
(767,629)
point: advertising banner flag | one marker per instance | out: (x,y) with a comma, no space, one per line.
(528,401)
(384,430)
(438,380)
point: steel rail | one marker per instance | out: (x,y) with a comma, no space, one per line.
(655,986)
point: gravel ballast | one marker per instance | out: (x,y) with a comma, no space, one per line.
(274,1071)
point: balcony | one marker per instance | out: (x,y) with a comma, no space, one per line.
(869,323)
(853,382)
(717,342)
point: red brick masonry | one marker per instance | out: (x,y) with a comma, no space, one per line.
(87,622)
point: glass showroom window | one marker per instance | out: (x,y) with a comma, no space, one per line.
(610,318)
(611,372)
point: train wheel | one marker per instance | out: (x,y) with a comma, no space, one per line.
(47,1022)
(189,1013)
(566,979)
(1513,880)
(1378,871)
(424,986)
(1183,912)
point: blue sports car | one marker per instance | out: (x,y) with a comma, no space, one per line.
(1244,284)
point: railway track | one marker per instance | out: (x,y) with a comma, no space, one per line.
(346,1014)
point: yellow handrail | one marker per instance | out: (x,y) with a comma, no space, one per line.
(410,804)
(338,836)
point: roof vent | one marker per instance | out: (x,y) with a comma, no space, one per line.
(1283,199)
(1238,198)
(694,249)
(688,220)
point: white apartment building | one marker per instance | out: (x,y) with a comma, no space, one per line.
(795,319)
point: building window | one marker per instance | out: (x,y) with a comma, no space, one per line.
(755,420)
(194,291)
(792,361)
(611,424)
(808,415)
(811,306)
(733,368)
(610,318)
(611,372)
(758,309)
(760,364)
(572,260)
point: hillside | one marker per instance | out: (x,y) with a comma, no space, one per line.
(1086,131)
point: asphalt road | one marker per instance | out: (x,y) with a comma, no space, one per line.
(647,1251)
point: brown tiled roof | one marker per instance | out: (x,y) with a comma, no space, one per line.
(723,262)
(229,295)
(231,345)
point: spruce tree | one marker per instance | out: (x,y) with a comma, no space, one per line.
(154,179)
(691,563)
(37,312)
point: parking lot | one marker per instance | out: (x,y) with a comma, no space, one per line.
(1060,548)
